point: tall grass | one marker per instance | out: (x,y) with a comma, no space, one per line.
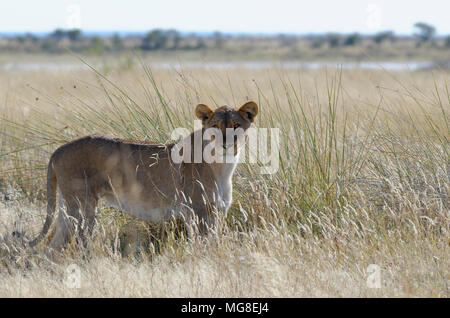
(363,179)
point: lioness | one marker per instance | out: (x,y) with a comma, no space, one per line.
(142,178)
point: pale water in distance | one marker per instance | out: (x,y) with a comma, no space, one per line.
(386,65)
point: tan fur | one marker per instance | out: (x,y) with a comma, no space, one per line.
(139,178)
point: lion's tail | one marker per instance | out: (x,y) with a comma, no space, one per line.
(51,203)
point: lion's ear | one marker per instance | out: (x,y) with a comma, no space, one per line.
(203,112)
(249,111)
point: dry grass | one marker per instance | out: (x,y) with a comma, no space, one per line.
(363,179)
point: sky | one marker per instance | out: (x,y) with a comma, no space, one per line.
(229,16)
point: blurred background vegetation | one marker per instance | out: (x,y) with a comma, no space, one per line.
(424,44)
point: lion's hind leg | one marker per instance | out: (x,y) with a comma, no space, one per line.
(75,215)
(64,227)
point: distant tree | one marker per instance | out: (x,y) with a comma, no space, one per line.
(218,39)
(286,40)
(74,34)
(173,37)
(27,38)
(177,40)
(154,40)
(333,39)
(58,34)
(49,46)
(447,41)
(21,39)
(383,36)
(117,43)
(200,43)
(352,39)
(425,32)
(31,37)
(97,45)
(317,42)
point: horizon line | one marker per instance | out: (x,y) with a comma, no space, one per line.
(206,32)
